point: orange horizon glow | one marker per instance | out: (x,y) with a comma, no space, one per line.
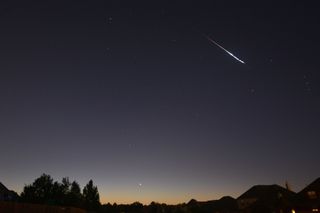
(120,199)
(105,200)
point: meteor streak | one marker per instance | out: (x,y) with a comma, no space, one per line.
(235,57)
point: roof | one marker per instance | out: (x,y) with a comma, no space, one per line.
(3,189)
(265,192)
(314,186)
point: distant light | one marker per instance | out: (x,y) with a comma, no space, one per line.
(315,210)
(293,211)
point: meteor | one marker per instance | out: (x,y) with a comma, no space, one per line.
(235,57)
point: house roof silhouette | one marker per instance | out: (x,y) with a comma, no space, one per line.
(6,194)
(314,186)
(3,189)
(265,192)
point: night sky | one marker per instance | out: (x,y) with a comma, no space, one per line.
(132,95)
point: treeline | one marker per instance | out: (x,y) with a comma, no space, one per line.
(258,199)
(44,190)
(153,207)
(224,205)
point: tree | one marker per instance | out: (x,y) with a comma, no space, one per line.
(75,196)
(57,197)
(65,185)
(91,196)
(40,191)
(44,191)
(28,194)
(60,192)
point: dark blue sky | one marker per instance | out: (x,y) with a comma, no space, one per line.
(131,93)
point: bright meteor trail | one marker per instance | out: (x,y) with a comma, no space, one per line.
(235,57)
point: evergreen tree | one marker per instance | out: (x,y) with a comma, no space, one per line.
(91,196)
(75,197)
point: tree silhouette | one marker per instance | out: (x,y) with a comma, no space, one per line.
(60,192)
(40,191)
(28,194)
(65,185)
(91,196)
(57,194)
(74,195)
(44,191)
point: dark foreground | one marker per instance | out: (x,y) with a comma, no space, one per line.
(67,197)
